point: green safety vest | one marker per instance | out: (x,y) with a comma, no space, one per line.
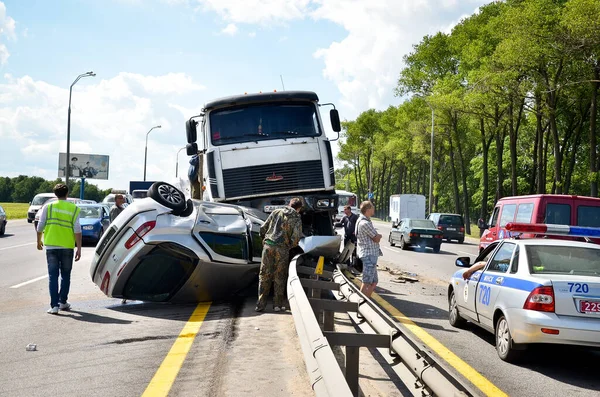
(60,219)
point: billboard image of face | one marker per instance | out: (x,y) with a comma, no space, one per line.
(90,166)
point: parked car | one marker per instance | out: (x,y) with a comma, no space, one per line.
(37,214)
(110,198)
(94,221)
(541,208)
(451,225)
(167,248)
(139,194)
(421,232)
(3,221)
(36,204)
(536,290)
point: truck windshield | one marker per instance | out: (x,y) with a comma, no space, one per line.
(263,122)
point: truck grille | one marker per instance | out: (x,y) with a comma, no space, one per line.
(265,179)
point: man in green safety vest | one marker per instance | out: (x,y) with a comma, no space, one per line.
(59,224)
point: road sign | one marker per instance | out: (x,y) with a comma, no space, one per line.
(370,195)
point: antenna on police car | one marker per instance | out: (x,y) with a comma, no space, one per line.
(281,77)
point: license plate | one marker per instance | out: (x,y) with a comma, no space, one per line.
(270,208)
(451,229)
(426,236)
(589,307)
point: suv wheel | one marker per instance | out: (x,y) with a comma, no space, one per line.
(169,196)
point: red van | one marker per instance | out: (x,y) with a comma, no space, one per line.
(541,208)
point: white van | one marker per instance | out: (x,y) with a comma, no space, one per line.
(38,201)
(346,198)
(407,206)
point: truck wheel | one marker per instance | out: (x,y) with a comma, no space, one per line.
(391,240)
(168,195)
(504,342)
(453,316)
(189,208)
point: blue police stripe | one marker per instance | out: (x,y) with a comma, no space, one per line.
(509,282)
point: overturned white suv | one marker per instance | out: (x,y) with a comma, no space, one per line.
(166,248)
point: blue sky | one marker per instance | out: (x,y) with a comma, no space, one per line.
(158,61)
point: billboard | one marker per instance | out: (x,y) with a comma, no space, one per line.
(91,166)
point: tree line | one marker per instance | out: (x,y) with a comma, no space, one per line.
(22,189)
(514,91)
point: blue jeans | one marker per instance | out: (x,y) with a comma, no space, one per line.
(60,261)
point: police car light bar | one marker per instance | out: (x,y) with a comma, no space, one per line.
(555,230)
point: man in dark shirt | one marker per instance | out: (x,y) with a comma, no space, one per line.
(349,224)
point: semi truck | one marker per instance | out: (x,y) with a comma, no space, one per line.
(260,150)
(139,189)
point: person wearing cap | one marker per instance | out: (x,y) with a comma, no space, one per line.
(116,209)
(61,231)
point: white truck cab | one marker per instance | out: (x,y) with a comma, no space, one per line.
(259,150)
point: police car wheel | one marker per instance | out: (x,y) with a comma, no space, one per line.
(504,343)
(391,240)
(168,195)
(453,317)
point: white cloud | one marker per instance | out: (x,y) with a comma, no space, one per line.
(7,30)
(282,39)
(230,29)
(7,24)
(109,116)
(364,65)
(252,34)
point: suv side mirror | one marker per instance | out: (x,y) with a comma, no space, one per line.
(335,120)
(190,131)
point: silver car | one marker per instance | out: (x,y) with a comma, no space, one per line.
(166,248)
(531,291)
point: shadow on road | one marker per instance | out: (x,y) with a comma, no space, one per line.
(6,235)
(93,318)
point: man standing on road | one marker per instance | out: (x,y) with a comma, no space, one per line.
(59,224)
(117,208)
(367,246)
(349,224)
(281,232)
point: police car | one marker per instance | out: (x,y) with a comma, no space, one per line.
(538,290)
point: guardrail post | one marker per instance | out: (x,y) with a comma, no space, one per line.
(327,320)
(352,361)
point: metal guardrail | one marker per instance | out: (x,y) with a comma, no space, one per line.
(325,374)
(424,367)
(427,375)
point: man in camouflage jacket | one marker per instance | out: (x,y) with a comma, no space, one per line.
(281,232)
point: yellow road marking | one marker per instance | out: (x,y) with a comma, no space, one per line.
(163,379)
(481,382)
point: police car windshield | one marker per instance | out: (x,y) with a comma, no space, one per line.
(263,122)
(544,259)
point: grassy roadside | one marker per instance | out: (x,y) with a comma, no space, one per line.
(15,210)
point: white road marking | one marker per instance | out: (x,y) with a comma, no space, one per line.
(468,253)
(30,281)
(16,246)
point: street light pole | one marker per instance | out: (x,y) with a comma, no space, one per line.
(177,161)
(146,150)
(67,167)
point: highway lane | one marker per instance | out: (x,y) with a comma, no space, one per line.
(104,348)
(548,370)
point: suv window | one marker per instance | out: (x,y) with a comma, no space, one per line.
(455,220)
(558,214)
(501,260)
(160,274)
(508,214)
(588,216)
(524,213)
(232,246)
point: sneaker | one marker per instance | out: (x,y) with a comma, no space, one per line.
(64,306)
(53,310)
(258,309)
(276,308)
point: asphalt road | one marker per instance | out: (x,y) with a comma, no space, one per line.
(547,371)
(104,348)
